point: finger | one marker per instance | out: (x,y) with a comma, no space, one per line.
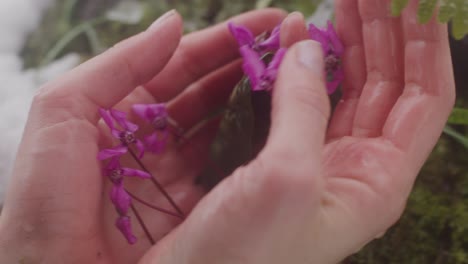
(349,29)
(108,78)
(420,113)
(205,96)
(385,71)
(300,106)
(293,29)
(202,52)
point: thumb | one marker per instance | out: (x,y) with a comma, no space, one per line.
(300,107)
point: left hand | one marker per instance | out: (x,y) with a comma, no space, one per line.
(57,208)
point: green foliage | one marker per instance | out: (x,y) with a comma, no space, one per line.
(449,10)
(426,10)
(456,135)
(398,6)
(459,116)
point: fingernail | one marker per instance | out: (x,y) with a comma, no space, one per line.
(295,14)
(161,19)
(310,55)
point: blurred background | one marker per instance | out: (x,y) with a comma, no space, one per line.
(44,38)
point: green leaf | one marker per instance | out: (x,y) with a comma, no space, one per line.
(447,10)
(460,21)
(459,116)
(398,6)
(426,10)
(457,136)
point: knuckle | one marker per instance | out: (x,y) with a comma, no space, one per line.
(47,96)
(55,105)
(280,174)
(129,71)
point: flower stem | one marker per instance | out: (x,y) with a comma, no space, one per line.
(157,184)
(142,224)
(162,210)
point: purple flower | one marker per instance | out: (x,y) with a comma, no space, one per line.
(333,50)
(126,134)
(261,76)
(124,225)
(119,197)
(245,37)
(158,117)
(242,34)
(273,41)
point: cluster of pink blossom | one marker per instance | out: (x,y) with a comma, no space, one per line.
(124,131)
(262,75)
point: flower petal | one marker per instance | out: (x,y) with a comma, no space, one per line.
(121,118)
(242,35)
(335,41)
(155,144)
(120,199)
(320,36)
(124,225)
(338,77)
(272,42)
(106,116)
(113,164)
(135,173)
(149,112)
(143,111)
(271,72)
(253,65)
(277,59)
(112,152)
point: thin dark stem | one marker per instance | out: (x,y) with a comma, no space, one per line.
(162,210)
(142,224)
(157,184)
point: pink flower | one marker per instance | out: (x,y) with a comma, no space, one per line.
(333,50)
(124,225)
(272,43)
(119,197)
(245,37)
(158,117)
(126,134)
(261,76)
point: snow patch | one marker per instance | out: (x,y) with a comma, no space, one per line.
(17,86)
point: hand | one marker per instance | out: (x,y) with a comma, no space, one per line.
(315,195)
(57,208)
